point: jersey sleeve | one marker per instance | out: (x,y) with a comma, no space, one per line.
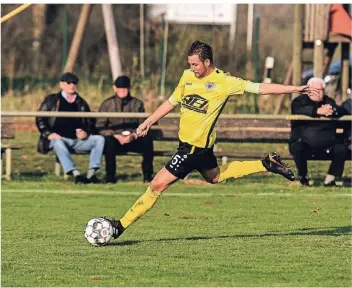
(176,96)
(236,86)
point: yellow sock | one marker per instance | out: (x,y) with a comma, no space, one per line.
(140,207)
(237,169)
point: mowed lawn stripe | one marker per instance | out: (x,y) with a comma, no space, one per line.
(180,194)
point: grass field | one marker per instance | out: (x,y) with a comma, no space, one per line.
(242,233)
(257,231)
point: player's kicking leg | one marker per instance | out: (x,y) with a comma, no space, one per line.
(237,169)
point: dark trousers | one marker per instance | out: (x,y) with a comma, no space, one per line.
(141,145)
(302,152)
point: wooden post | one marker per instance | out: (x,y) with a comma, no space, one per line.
(113,46)
(39,13)
(319,42)
(297,46)
(318,58)
(77,38)
(345,71)
(281,98)
(8,163)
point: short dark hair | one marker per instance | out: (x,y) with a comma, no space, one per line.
(203,50)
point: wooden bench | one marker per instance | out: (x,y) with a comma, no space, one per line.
(245,131)
(229,131)
(7,133)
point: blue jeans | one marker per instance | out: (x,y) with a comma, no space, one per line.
(63,146)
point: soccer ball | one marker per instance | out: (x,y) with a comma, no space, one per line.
(98,231)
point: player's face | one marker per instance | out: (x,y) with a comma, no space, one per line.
(199,68)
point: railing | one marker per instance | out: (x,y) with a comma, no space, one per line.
(170,115)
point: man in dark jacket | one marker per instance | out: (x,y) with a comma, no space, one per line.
(120,135)
(316,137)
(66,135)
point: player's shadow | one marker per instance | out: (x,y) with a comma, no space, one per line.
(328,231)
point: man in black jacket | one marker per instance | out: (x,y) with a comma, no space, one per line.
(66,135)
(120,135)
(316,137)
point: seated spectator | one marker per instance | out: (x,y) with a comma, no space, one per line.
(316,137)
(66,135)
(120,133)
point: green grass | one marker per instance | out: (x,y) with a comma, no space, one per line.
(256,231)
(248,232)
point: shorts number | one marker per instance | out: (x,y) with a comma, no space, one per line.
(175,159)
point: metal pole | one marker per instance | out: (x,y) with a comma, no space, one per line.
(141,40)
(113,46)
(232,33)
(249,66)
(256,57)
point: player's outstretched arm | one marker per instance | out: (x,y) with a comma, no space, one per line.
(266,88)
(159,113)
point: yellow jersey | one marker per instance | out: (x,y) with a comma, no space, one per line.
(202,101)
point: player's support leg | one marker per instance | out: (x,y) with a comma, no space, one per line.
(162,180)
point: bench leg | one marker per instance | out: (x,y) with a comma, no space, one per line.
(57,168)
(8,163)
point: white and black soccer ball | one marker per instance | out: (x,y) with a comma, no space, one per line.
(98,231)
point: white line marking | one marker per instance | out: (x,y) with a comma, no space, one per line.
(181,194)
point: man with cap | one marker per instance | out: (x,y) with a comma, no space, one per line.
(120,133)
(65,135)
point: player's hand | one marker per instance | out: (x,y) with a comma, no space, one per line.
(313,93)
(54,136)
(142,129)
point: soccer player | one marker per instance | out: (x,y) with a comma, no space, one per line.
(202,91)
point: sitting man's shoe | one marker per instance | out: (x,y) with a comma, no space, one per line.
(79,179)
(273,164)
(117,227)
(94,179)
(110,179)
(304,181)
(147,177)
(330,184)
